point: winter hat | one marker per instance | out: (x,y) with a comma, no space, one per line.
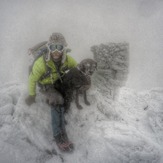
(57,38)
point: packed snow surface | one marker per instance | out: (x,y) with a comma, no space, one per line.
(128,129)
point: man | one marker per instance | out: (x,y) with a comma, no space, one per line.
(46,70)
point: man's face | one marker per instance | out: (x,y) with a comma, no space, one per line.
(56,51)
(56,55)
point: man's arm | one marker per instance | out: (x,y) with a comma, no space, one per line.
(36,73)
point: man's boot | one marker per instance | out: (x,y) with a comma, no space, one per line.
(63,143)
(65,138)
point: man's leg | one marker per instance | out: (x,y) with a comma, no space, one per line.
(58,126)
(56,116)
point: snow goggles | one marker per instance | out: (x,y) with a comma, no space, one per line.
(55,47)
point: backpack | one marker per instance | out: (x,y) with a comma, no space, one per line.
(37,51)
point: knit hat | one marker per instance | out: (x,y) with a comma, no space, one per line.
(57,38)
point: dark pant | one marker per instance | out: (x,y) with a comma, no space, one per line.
(58,120)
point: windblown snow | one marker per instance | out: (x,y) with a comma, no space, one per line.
(128,129)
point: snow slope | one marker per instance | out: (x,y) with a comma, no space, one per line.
(129,129)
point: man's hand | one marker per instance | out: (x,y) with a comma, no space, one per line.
(30,100)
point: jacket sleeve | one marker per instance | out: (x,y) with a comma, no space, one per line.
(37,72)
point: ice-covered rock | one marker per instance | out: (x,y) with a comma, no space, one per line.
(113,63)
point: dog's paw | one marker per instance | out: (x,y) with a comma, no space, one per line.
(79,107)
(87,103)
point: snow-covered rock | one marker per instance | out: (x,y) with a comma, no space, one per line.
(113,63)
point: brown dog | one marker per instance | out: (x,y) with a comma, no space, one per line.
(78,79)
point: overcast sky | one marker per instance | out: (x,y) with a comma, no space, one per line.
(84,23)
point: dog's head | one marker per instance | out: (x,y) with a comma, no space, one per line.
(87,66)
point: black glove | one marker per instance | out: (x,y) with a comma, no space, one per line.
(30,100)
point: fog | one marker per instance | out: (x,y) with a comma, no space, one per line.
(84,24)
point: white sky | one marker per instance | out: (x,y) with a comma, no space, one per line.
(84,23)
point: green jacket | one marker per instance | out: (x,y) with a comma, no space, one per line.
(40,68)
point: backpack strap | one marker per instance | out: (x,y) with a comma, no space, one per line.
(47,73)
(58,71)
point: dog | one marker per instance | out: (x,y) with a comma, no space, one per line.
(78,80)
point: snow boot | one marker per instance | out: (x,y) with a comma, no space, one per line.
(63,143)
(65,138)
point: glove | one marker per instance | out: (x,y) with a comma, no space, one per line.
(30,100)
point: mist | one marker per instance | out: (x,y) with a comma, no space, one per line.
(84,24)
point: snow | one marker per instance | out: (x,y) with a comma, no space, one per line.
(129,129)
(126,130)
